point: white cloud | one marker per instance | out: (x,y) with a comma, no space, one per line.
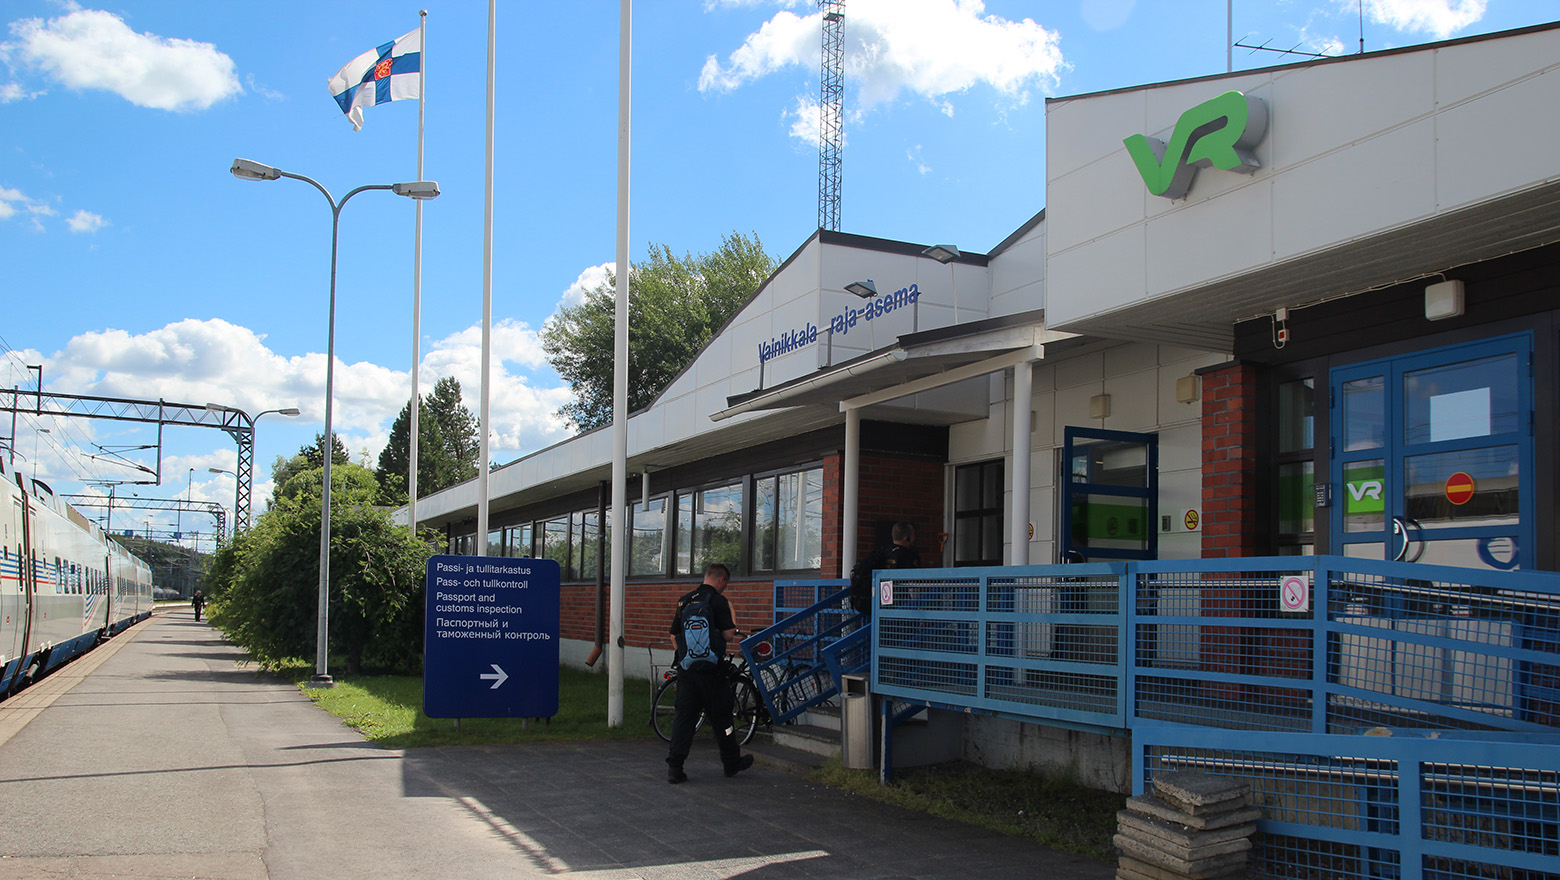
(1440,18)
(9,200)
(195,361)
(916,159)
(10,92)
(94,49)
(86,221)
(929,48)
(590,279)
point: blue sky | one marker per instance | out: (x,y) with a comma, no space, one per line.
(136,266)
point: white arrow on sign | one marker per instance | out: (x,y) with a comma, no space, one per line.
(498,675)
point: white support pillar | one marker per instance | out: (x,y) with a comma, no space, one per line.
(850,491)
(1023,395)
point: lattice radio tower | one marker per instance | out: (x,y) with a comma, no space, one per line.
(830,113)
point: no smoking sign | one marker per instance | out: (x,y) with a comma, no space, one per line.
(1294,593)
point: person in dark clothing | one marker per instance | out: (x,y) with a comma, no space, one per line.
(903,554)
(705,688)
(199,603)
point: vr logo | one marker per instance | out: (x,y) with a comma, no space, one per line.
(1220,132)
(1366,489)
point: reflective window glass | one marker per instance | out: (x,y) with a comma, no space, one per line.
(1364,413)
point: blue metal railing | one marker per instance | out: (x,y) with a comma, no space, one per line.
(796,663)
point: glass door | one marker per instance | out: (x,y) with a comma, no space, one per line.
(1110,495)
(1432,456)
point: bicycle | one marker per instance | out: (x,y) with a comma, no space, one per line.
(747,710)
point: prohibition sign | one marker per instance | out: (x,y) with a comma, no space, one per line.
(1294,593)
(1459,488)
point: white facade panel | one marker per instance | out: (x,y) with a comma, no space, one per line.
(1107,274)
(1319,110)
(1079,131)
(1474,161)
(1134,401)
(1376,185)
(1211,239)
(1097,200)
(1477,68)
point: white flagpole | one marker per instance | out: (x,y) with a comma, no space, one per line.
(620,381)
(414,434)
(487,301)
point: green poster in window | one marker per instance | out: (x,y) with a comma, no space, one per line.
(1364,488)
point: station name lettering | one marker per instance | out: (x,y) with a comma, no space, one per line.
(840,324)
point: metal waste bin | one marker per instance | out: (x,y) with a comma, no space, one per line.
(856,723)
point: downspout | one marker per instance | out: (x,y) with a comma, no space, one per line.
(1023,391)
(850,492)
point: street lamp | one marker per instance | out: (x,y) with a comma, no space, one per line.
(946,254)
(247,169)
(35,449)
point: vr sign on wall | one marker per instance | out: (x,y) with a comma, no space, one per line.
(1219,133)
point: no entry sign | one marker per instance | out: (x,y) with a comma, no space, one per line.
(1459,488)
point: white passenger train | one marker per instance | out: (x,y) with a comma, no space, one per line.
(64,586)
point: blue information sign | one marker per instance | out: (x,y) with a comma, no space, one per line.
(490,647)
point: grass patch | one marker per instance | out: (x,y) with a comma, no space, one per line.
(1057,813)
(387,709)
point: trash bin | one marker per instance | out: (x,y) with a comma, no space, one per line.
(856,723)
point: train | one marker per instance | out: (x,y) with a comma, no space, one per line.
(64,585)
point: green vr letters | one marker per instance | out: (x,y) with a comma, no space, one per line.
(1220,132)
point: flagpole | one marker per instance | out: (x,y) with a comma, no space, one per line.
(487,301)
(617,600)
(414,434)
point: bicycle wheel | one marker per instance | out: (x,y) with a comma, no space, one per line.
(664,709)
(746,710)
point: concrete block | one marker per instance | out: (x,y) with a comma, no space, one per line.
(1148,805)
(1208,866)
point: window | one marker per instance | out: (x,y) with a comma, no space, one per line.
(647,537)
(555,543)
(709,528)
(517,540)
(586,530)
(1294,457)
(788,521)
(977,514)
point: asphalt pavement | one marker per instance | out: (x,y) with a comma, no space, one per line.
(162,754)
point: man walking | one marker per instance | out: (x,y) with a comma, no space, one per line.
(702,626)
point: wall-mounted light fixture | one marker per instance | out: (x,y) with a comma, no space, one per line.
(864,289)
(1443,300)
(1099,406)
(1186,389)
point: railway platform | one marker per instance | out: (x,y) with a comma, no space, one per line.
(162,755)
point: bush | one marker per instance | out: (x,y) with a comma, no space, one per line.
(265,583)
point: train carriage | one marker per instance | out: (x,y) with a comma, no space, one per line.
(64,585)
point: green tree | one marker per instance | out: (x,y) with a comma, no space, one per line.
(676,306)
(307,459)
(265,583)
(447,453)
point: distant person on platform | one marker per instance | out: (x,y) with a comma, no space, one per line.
(198,602)
(702,627)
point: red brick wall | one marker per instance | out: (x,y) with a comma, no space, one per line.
(901,488)
(1231,524)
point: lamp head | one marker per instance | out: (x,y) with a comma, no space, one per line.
(942,253)
(417,189)
(289,411)
(248,169)
(864,289)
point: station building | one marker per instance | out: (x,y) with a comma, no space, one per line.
(1303,309)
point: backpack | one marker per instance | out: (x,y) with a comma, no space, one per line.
(698,640)
(861,580)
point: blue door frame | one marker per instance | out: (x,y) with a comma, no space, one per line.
(1432,455)
(1077,479)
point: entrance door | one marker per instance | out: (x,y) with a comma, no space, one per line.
(1432,456)
(1110,494)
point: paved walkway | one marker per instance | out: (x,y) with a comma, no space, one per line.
(161,755)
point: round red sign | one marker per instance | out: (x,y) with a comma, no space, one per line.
(1459,488)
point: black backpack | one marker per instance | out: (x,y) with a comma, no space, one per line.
(861,580)
(697,631)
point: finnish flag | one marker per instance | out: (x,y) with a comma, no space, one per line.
(388,73)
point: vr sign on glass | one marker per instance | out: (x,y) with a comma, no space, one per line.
(1219,133)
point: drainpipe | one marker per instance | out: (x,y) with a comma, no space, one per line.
(850,491)
(1023,383)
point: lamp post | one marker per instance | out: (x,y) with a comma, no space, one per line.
(35,449)
(217,470)
(246,169)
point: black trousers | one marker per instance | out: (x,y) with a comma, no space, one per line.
(711,693)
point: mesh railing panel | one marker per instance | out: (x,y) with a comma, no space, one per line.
(1445,868)
(935,634)
(1058,690)
(935,678)
(1224,705)
(1285,857)
(1504,808)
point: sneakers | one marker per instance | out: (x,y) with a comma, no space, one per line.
(743,763)
(675,775)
